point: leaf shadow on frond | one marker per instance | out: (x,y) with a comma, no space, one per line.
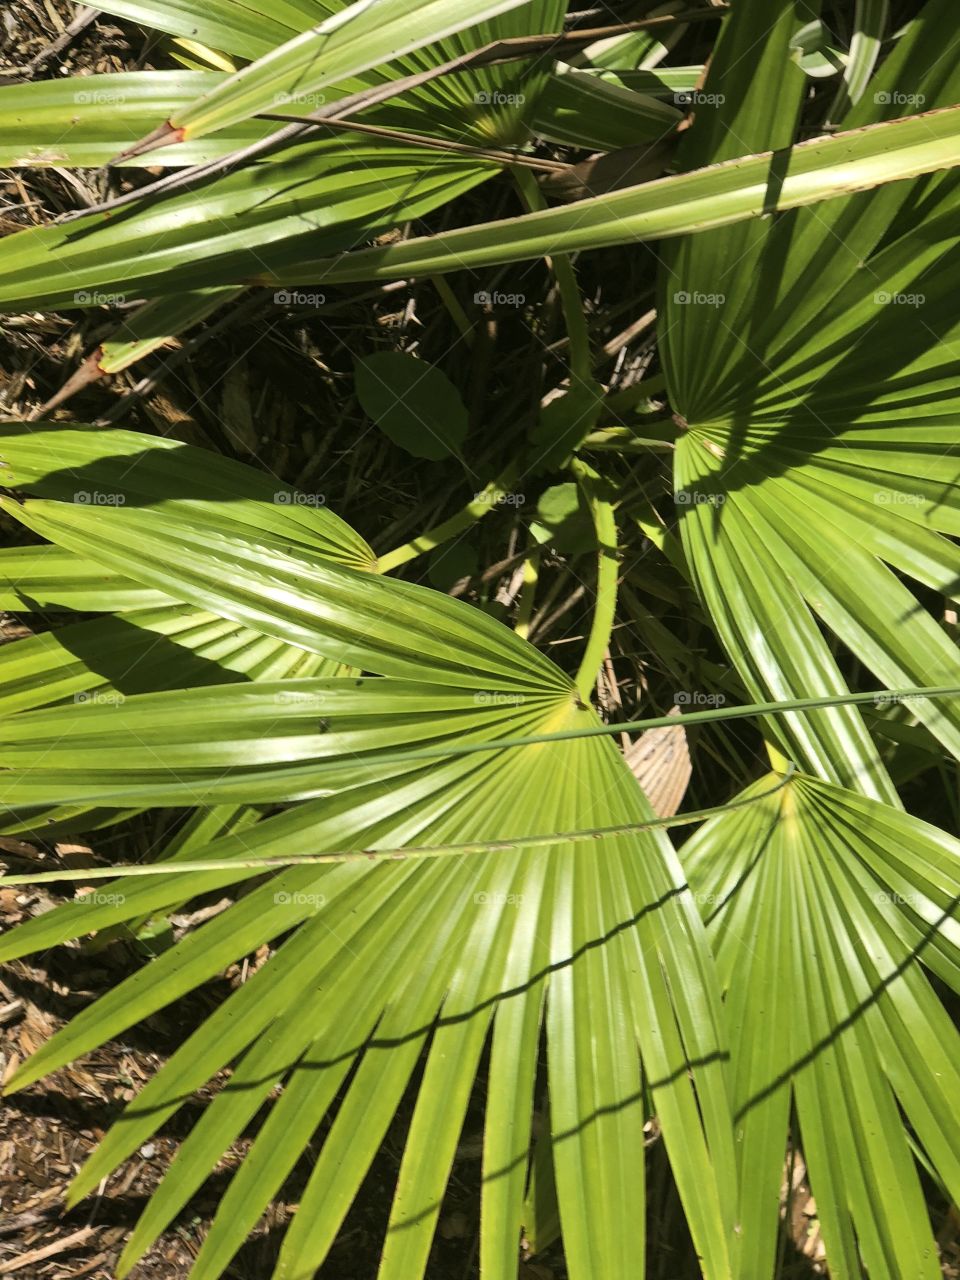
(133,658)
(375,1041)
(913,956)
(848,385)
(284,173)
(853,1017)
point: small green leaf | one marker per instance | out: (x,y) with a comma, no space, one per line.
(414,404)
(564,520)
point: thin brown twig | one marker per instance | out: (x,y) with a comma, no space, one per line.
(589,35)
(84,18)
(496,52)
(640,325)
(423,140)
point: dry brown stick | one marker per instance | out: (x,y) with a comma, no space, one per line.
(644,322)
(48,1251)
(80,23)
(423,140)
(589,35)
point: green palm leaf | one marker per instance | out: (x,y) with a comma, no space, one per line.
(66,122)
(154,643)
(753,187)
(332,193)
(584,110)
(438,902)
(350,40)
(611,940)
(823,908)
(126,471)
(36,578)
(143,650)
(802,491)
(247,30)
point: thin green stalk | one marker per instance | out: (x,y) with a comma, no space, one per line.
(607,573)
(671,722)
(581,372)
(398,854)
(581,362)
(454,309)
(482,505)
(593,731)
(528,592)
(623,440)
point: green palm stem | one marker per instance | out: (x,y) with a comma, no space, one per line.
(581,363)
(581,372)
(454,309)
(659,436)
(646,389)
(402,852)
(482,505)
(528,591)
(607,574)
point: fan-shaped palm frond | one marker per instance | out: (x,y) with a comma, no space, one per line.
(824,908)
(804,480)
(605,949)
